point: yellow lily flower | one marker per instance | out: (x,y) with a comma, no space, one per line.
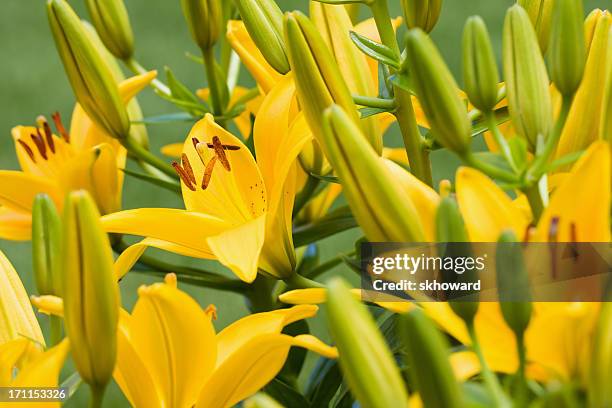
(17,319)
(84,158)
(238,209)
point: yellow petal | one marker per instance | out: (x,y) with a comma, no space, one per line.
(304,296)
(16,354)
(312,343)
(465,365)
(582,202)
(44,370)
(318,206)
(175,338)
(425,199)
(15,225)
(128,88)
(172,150)
(238,248)
(486,209)
(18,189)
(235,196)
(16,315)
(238,37)
(184,228)
(237,334)
(49,305)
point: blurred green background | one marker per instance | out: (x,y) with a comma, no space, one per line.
(33,83)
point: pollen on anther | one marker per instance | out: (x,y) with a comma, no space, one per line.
(41,121)
(187,167)
(27,149)
(57,119)
(183,176)
(40,144)
(220,153)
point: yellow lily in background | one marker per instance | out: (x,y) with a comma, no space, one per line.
(170,355)
(238,211)
(84,158)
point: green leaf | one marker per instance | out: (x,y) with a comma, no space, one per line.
(72,383)
(286,394)
(401,81)
(179,91)
(175,187)
(564,161)
(167,118)
(195,58)
(367,112)
(324,382)
(339,220)
(329,179)
(494,159)
(375,50)
(518,148)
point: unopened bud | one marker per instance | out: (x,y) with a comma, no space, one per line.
(46,245)
(479,67)
(90,77)
(438,93)
(540,15)
(204,21)
(567,48)
(89,290)
(422,14)
(263,20)
(365,359)
(527,82)
(111,20)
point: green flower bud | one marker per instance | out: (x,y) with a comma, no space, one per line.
(261,400)
(263,20)
(46,242)
(382,208)
(513,283)
(540,15)
(318,79)
(204,20)
(428,360)
(110,18)
(527,82)
(365,360)
(567,47)
(422,14)
(90,77)
(90,292)
(438,93)
(601,360)
(479,67)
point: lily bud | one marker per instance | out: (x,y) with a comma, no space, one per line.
(479,67)
(333,22)
(366,362)
(567,48)
(384,211)
(263,20)
(428,359)
(513,283)
(111,20)
(527,82)
(540,14)
(91,79)
(318,79)
(46,245)
(422,14)
(438,93)
(204,20)
(90,292)
(601,360)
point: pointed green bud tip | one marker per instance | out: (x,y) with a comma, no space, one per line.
(427,356)
(263,20)
(89,290)
(91,79)
(318,79)
(365,359)
(111,20)
(480,74)
(438,92)
(422,14)
(380,205)
(204,20)
(540,15)
(46,245)
(567,46)
(527,83)
(513,283)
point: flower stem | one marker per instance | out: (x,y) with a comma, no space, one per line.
(488,169)
(302,198)
(382,18)
(97,395)
(500,140)
(55,326)
(535,199)
(138,69)
(213,82)
(371,102)
(490,381)
(297,281)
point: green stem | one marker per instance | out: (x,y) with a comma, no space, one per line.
(213,83)
(500,140)
(382,18)
(490,381)
(260,294)
(297,281)
(146,156)
(138,69)
(327,265)
(97,395)
(55,326)
(388,104)
(302,198)
(535,199)
(521,391)
(488,169)
(418,155)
